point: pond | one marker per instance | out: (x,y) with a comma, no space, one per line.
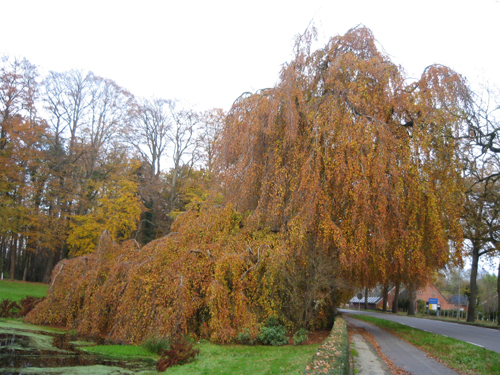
(27,349)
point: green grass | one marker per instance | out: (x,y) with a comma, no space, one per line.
(17,290)
(457,354)
(121,351)
(240,359)
(227,359)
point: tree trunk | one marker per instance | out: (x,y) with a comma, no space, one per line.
(395,308)
(13,251)
(366,298)
(25,270)
(385,297)
(412,299)
(498,294)
(173,187)
(48,270)
(471,311)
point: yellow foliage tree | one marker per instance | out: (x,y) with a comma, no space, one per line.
(116,209)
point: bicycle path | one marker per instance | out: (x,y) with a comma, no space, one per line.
(402,354)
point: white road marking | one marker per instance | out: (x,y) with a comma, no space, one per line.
(475,344)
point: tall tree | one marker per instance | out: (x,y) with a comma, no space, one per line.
(345,150)
(483,174)
(89,117)
(182,137)
(211,125)
(152,123)
(116,209)
(20,135)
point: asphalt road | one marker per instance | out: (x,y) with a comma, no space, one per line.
(484,337)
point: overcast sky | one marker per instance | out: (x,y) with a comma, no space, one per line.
(207,53)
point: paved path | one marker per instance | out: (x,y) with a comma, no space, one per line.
(367,362)
(402,354)
(480,336)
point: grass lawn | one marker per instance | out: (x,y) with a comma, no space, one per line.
(227,359)
(239,359)
(457,354)
(17,290)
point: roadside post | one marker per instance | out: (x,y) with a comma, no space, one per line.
(360,295)
(433,304)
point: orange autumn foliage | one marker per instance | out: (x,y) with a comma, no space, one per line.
(346,151)
(343,174)
(208,277)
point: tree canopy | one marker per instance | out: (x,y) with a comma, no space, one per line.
(348,151)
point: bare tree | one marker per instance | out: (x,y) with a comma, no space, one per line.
(482,219)
(151,125)
(67,99)
(211,125)
(108,120)
(150,133)
(182,136)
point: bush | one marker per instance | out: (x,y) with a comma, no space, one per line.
(274,336)
(421,306)
(8,308)
(180,352)
(300,336)
(28,303)
(244,337)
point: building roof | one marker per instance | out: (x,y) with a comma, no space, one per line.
(464,300)
(362,300)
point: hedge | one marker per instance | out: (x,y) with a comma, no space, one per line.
(332,357)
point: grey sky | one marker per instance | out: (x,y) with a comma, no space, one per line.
(207,53)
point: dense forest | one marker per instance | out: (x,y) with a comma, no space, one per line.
(346,174)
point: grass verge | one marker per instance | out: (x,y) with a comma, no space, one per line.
(457,354)
(17,290)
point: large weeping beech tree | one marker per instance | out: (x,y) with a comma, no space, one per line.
(347,153)
(343,174)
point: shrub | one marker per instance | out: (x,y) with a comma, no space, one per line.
(244,337)
(273,332)
(180,352)
(156,345)
(274,336)
(300,336)
(28,303)
(8,308)
(421,306)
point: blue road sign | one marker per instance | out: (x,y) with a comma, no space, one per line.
(433,301)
